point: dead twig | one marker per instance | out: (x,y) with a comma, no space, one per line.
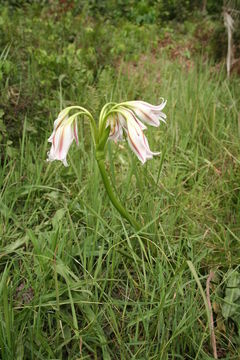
(229,23)
(211,325)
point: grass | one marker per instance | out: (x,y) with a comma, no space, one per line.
(76,280)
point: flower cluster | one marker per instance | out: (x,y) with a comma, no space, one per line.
(131,118)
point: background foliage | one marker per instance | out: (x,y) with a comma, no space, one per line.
(76,282)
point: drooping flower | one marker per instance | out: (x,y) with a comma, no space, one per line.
(148,113)
(130,117)
(64,132)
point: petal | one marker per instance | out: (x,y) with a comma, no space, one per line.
(138,141)
(50,139)
(148,113)
(116,132)
(131,114)
(135,148)
(139,103)
(122,121)
(62,117)
(147,117)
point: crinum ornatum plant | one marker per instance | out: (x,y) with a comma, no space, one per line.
(116,122)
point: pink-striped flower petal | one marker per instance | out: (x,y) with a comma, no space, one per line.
(137,140)
(149,114)
(116,132)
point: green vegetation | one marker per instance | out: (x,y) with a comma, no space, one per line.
(77,282)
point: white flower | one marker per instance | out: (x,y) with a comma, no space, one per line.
(129,116)
(63,134)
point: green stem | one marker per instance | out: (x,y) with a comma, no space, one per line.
(102,116)
(120,208)
(94,130)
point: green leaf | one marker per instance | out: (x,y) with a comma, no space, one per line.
(59,215)
(1,113)
(230,307)
(12,247)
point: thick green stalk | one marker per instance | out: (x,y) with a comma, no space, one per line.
(120,208)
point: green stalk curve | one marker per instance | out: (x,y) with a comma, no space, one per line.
(116,203)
